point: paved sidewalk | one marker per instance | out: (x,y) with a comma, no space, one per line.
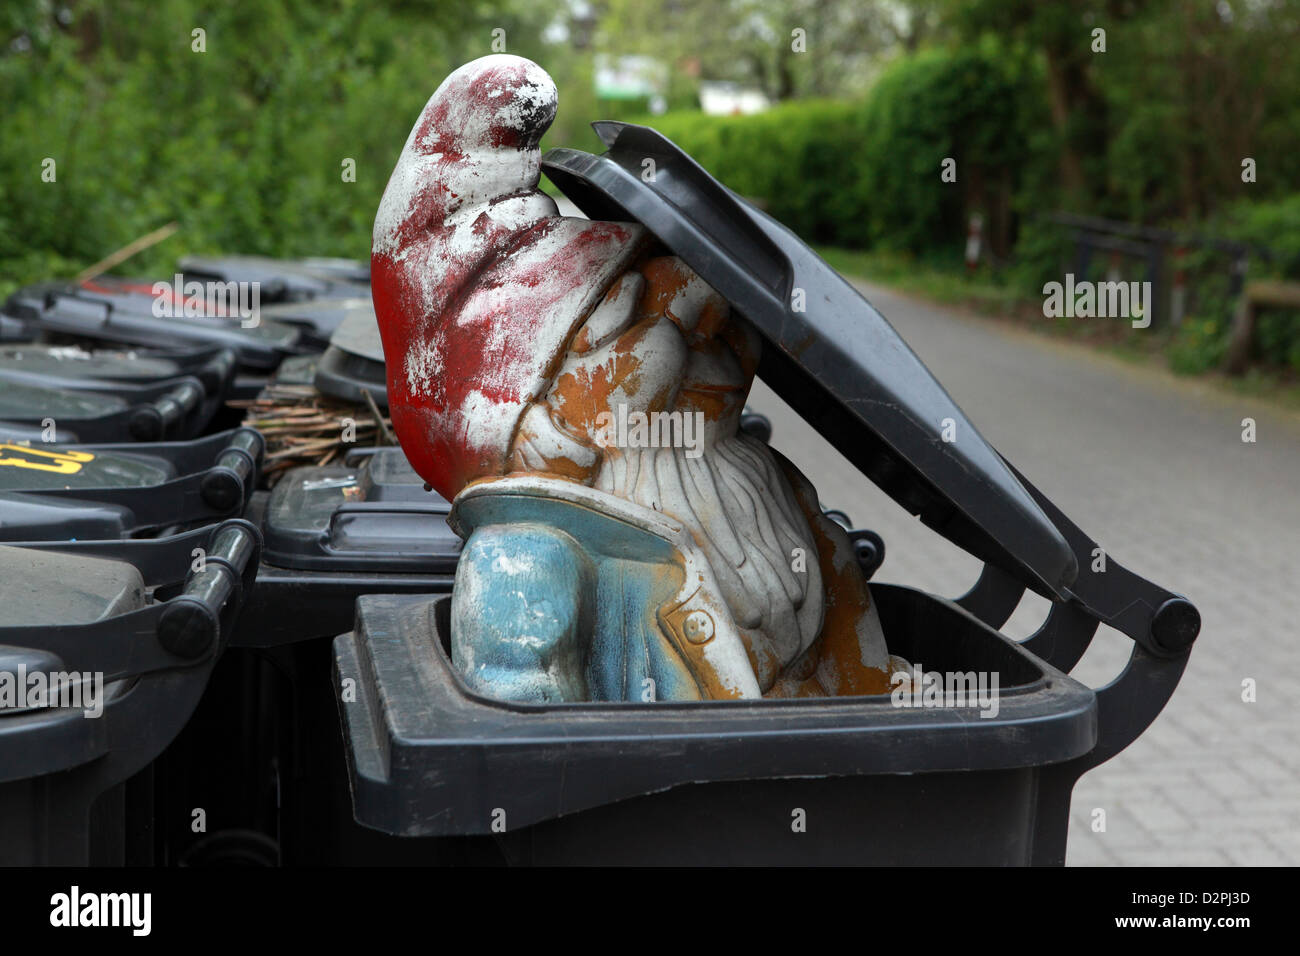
(1155,470)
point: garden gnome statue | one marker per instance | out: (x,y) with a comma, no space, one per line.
(575,391)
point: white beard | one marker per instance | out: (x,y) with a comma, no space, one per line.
(739,507)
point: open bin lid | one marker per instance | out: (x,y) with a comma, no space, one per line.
(840,364)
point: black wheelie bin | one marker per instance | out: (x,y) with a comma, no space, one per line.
(313,294)
(102,662)
(116,528)
(52,391)
(884,779)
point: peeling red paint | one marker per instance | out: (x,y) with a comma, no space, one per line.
(478,284)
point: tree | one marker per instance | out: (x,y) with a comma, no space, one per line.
(753,41)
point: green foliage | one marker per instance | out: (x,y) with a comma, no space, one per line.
(938,282)
(969,104)
(1278,337)
(795,158)
(1042,255)
(1266,225)
(1199,344)
(243,144)
(1274,225)
(753,42)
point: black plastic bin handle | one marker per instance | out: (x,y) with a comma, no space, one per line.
(181,632)
(1126,707)
(194,620)
(1162,625)
(232,476)
(1165,624)
(217,371)
(215,477)
(158,418)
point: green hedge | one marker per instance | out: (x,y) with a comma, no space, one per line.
(798,158)
(867,174)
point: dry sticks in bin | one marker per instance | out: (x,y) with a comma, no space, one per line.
(303,427)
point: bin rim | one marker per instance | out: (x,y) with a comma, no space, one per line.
(426,755)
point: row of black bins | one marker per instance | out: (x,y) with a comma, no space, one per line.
(238,726)
(127,555)
(432,772)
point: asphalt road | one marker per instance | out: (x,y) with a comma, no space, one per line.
(1155,470)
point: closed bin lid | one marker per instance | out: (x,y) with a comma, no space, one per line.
(40,467)
(21,400)
(324,316)
(300,278)
(339,517)
(354,361)
(116,310)
(358,331)
(46,588)
(70,360)
(837,362)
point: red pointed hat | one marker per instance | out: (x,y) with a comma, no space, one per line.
(478,284)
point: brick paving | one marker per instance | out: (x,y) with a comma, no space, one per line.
(1154,469)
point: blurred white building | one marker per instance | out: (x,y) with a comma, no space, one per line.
(631,78)
(730,99)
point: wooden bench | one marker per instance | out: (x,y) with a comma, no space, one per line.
(1263,293)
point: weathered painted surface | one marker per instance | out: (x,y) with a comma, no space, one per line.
(564,593)
(577,392)
(478,283)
